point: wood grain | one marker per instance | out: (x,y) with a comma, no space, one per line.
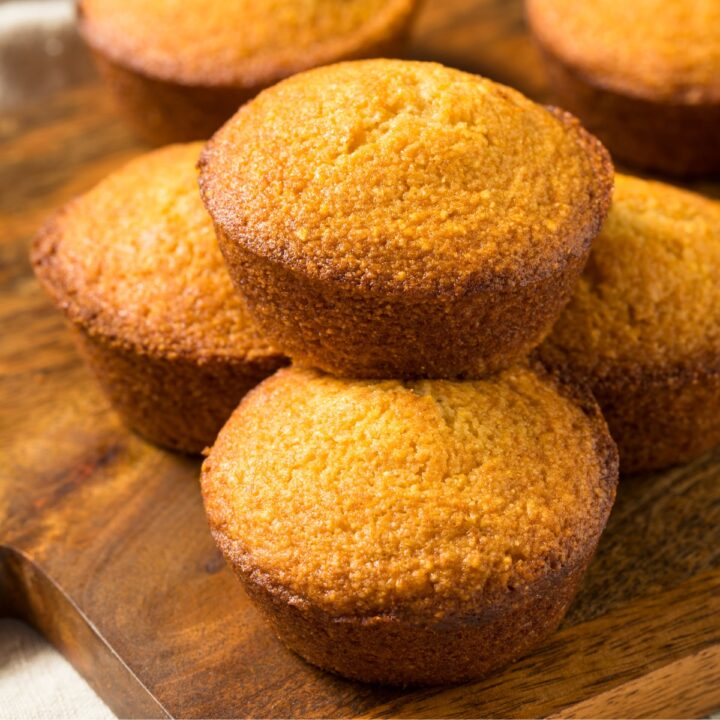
(104,545)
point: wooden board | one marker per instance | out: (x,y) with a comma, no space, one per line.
(103,542)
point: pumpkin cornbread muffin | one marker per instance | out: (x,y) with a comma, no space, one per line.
(411,532)
(643,75)
(643,328)
(388,218)
(135,266)
(180,68)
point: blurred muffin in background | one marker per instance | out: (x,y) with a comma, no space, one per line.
(644,76)
(135,267)
(643,328)
(180,68)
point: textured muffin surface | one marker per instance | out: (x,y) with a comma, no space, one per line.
(382,496)
(235,42)
(136,259)
(650,294)
(661,49)
(404,175)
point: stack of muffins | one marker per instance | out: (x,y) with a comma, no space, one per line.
(412,501)
(416,498)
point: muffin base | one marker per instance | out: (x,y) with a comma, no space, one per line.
(467,643)
(355,332)
(394,650)
(680,139)
(665,419)
(177,402)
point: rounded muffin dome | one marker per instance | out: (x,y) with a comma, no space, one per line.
(404,175)
(136,259)
(239,43)
(423,498)
(658,49)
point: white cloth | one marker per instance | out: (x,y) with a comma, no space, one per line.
(37,683)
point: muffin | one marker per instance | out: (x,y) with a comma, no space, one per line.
(417,532)
(643,328)
(135,267)
(643,75)
(387,218)
(180,68)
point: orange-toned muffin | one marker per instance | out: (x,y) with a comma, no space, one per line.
(643,75)
(180,68)
(643,328)
(387,218)
(135,266)
(411,532)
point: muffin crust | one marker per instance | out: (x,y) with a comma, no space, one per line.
(135,266)
(403,508)
(644,324)
(332,197)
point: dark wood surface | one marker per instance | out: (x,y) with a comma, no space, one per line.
(104,546)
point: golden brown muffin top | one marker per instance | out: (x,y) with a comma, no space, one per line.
(237,42)
(365,497)
(136,259)
(650,294)
(659,49)
(407,175)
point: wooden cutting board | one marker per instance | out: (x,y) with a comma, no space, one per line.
(103,542)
